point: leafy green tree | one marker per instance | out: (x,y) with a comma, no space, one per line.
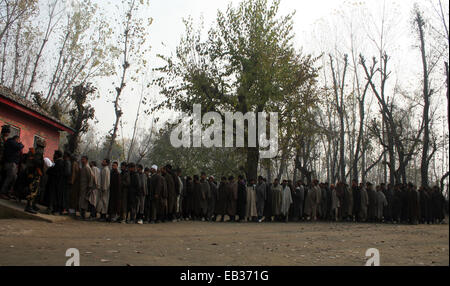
(248,63)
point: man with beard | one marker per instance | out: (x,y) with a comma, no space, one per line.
(171,192)
(212,200)
(356,199)
(221,203)
(124,190)
(86,185)
(103,190)
(114,193)
(242,198)
(286,201)
(261,196)
(250,207)
(232,197)
(277,196)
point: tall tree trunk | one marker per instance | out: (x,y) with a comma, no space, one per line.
(119,89)
(426,100)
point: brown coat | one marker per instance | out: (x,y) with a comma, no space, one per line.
(232,195)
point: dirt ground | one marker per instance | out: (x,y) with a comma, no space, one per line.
(24,242)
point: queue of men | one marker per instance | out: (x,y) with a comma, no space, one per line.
(132,193)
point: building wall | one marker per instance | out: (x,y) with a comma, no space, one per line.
(29,127)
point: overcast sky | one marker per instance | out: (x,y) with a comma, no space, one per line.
(167,28)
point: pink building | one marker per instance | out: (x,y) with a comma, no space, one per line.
(29,122)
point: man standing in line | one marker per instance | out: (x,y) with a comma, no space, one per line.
(250,209)
(286,201)
(148,197)
(232,196)
(356,199)
(103,194)
(373,203)
(133,192)
(123,196)
(86,185)
(277,196)
(156,193)
(221,203)
(74,186)
(242,198)
(171,192)
(56,184)
(212,199)
(261,195)
(181,194)
(268,205)
(114,193)
(364,203)
(95,193)
(381,204)
(205,196)
(141,194)
(297,201)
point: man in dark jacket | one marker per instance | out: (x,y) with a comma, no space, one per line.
(212,199)
(356,199)
(242,198)
(6,131)
(11,157)
(114,193)
(56,184)
(123,196)
(171,192)
(133,192)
